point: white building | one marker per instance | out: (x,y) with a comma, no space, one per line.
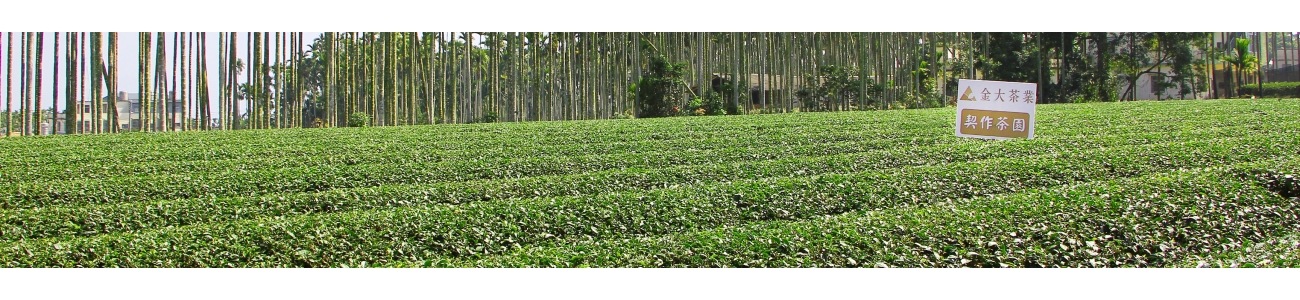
(128,114)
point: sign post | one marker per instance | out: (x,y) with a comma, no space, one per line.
(996,109)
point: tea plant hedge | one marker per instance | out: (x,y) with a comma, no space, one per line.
(1146,184)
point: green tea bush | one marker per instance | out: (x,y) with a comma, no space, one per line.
(1156,220)
(1132,184)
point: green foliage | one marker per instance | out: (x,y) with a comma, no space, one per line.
(631,91)
(958,69)
(318,123)
(922,74)
(1010,56)
(833,85)
(1273,89)
(1282,178)
(1020,57)
(1028,57)
(1072,67)
(665,192)
(1147,51)
(623,115)
(660,89)
(710,105)
(488,117)
(1242,61)
(725,90)
(1179,47)
(131,216)
(358,119)
(1279,252)
(1240,55)
(1156,220)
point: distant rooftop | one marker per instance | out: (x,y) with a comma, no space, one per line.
(132,97)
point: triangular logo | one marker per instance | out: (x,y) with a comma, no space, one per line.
(966,95)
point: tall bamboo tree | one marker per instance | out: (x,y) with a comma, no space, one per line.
(9,82)
(110,69)
(264,81)
(72,110)
(40,54)
(248,119)
(160,85)
(172,96)
(87,62)
(54,102)
(279,78)
(97,104)
(25,83)
(204,96)
(184,82)
(146,43)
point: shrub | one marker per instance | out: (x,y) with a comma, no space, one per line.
(488,117)
(711,105)
(725,90)
(660,87)
(1272,89)
(358,120)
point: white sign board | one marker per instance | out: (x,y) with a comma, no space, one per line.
(996,109)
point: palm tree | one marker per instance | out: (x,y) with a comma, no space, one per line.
(25,83)
(1242,60)
(40,51)
(9,82)
(330,110)
(72,111)
(236,68)
(85,116)
(78,78)
(265,81)
(204,99)
(193,111)
(299,71)
(251,60)
(251,95)
(161,93)
(54,102)
(221,78)
(146,40)
(112,88)
(184,82)
(225,65)
(279,80)
(257,113)
(171,96)
(286,79)
(96,59)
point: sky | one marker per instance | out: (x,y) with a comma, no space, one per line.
(128,64)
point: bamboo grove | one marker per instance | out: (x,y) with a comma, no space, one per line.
(263,80)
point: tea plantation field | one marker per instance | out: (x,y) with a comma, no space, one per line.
(1135,184)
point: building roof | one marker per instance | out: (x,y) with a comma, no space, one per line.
(135,97)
